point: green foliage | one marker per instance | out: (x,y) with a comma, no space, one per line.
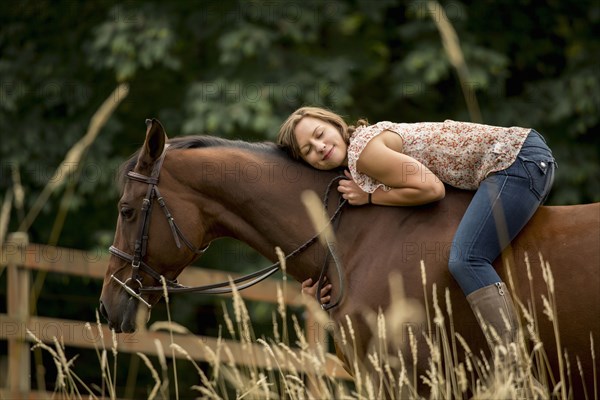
(237,69)
(132,38)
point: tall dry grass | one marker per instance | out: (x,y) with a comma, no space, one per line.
(301,370)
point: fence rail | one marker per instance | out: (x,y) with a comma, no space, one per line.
(20,258)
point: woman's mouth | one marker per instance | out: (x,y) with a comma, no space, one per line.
(326,156)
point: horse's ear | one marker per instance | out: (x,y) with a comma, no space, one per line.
(154,143)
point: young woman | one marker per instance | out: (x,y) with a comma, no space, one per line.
(511,171)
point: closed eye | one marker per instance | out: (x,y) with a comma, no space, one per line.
(317,134)
(126,212)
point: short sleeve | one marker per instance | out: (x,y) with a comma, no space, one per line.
(358,141)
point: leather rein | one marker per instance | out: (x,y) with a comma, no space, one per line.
(172,286)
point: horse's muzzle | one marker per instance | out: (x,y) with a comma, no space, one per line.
(124,324)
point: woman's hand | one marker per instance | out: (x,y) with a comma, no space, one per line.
(310,290)
(352,192)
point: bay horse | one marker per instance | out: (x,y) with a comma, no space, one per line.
(212,187)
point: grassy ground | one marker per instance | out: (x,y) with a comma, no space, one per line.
(299,370)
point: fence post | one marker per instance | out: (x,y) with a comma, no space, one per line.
(18,287)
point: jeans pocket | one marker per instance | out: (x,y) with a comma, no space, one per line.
(541,175)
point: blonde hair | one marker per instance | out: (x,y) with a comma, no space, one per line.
(287,140)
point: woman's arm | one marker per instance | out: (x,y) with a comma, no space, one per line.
(394,197)
(412,182)
(406,196)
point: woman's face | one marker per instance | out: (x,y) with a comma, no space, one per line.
(321,144)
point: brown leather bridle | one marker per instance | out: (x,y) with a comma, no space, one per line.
(172,286)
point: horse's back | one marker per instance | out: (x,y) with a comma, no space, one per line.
(567,237)
(567,223)
(567,240)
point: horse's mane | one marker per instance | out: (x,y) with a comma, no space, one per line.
(198,142)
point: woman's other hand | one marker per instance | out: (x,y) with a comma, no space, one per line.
(310,289)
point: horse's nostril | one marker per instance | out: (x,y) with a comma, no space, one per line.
(103,310)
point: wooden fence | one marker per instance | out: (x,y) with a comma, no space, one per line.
(19,257)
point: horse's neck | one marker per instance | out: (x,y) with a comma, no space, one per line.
(255,198)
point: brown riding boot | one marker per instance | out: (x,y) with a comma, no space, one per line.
(489,304)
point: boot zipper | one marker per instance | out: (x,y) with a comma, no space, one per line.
(505,302)
(500,290)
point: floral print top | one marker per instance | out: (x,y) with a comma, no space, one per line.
(460,154)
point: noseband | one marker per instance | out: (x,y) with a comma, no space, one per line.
(172,286)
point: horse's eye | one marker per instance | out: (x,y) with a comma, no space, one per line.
(126,212)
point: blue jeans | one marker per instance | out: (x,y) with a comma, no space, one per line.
(500,208)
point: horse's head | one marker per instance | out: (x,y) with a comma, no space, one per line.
(157,230)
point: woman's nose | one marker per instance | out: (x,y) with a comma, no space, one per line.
(318,145)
